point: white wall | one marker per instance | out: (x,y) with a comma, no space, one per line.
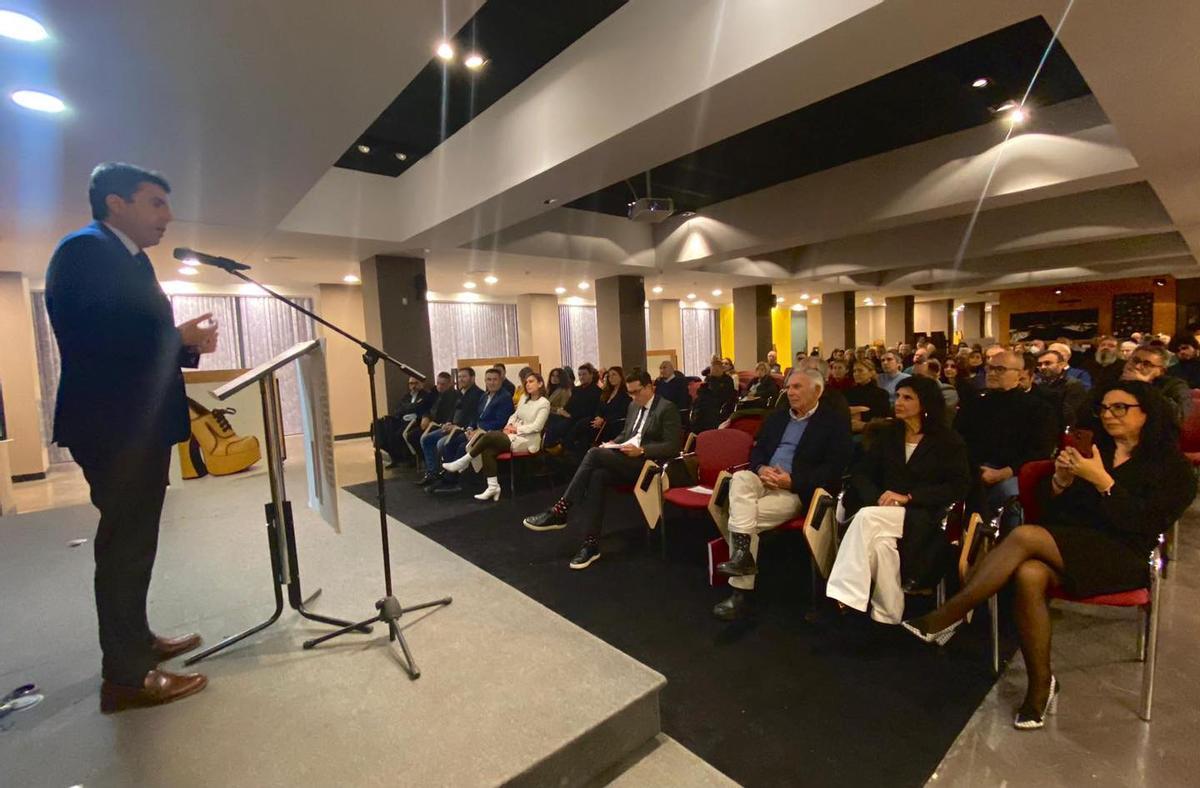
(869,324)
(19,377)
(349,398)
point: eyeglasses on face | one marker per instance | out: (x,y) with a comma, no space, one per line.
(1117,409)
(1000,369)
(1144,362)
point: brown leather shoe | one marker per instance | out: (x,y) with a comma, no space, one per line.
(166,648)
(159,687)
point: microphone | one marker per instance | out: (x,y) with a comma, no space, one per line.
(224,263)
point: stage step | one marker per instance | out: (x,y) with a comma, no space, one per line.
(663,762)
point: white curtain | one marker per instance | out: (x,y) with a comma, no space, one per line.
(269,328)
(700,338)
(578,337)
(50,370)
(459,330)
(224,311)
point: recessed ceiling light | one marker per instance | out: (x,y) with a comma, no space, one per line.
(1018,115)
(351,279)
(1160,282)
(1058,291)
(38,101)
(560,290)
(21,27)
(687,214)
(656,289)
(982,82)
(717,292)
(401,157)
(691,296)
(798,307)
(804,296)
(779,299)
(491,280)
(445,51)
(550,201)
(474,61)
(584,285)
(816,301)
(187,271)
(1005,107)
(362,148)
(191,262)
(469,285)
(868,300)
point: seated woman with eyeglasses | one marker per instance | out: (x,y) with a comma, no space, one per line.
(1102,515)
(915,468)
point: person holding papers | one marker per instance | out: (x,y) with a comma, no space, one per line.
(652,432)
(798,449)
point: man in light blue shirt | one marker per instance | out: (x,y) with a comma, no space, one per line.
(891,375)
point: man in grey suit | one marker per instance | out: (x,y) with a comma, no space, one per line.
(652,432)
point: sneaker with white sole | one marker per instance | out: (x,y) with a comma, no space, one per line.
(586,556)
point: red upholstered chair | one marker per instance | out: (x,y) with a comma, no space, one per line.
(747,422)
(716,451)
(512,458)
(1144,599)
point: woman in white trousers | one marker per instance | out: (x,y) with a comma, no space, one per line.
(914,468)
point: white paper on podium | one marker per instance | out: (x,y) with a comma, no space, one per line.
(318,435)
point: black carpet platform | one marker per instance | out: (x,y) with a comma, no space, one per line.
(777,699)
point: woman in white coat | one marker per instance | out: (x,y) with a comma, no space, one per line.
(522,433)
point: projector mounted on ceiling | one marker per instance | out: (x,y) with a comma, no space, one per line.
(651,209)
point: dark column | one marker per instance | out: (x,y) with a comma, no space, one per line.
(837,321)
(898,320)
(621,321)
(397,320)
(751,324)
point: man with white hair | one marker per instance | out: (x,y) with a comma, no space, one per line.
(797,449)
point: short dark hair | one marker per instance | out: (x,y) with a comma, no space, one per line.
(444,376)
(121,179)
(494,371)
(500,367)
(469,370)
(1054,353)
(1029,361)
(640,375)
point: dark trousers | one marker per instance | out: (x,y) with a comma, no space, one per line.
(600,469)
(487,446)
(127,485)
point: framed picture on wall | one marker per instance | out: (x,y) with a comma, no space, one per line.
(1133,312)
(1070,323)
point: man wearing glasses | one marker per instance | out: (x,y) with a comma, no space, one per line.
(1003,429)
(1065,395)
(1149,365)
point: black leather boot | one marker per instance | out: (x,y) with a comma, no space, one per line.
(741,562)
(733,608)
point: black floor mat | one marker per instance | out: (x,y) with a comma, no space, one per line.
(773,700)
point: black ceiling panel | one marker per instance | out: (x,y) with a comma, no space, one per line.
(516,37)
(927,99)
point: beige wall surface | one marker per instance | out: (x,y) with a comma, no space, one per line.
(19,377)
(349,398)
(537,326)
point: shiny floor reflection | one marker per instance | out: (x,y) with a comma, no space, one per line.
(1097,738)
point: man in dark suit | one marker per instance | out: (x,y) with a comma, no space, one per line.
(797,450)
(652,432)
(122,353)
(466,408)
(392,432)
(495,406)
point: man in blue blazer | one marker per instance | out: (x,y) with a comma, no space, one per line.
(495,406)
(121,407)
(798,449)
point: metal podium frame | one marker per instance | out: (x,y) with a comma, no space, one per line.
(281,534)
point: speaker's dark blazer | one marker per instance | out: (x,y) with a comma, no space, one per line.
(823,453)
(121,353)
(936,477)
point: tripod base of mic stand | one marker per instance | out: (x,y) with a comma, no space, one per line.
(390,611)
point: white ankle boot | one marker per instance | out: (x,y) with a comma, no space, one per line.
(459,465)
(492,493)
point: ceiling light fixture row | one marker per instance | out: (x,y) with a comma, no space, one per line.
(26,29)
(446,53)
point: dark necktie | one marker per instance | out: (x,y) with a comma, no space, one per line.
(638,422)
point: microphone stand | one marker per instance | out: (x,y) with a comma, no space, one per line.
(389,608)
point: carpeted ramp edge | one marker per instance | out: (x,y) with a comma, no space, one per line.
(597,750)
